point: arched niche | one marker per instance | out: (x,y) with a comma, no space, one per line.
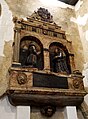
(59,58)
(31,52)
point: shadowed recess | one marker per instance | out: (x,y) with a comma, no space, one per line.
(70,2)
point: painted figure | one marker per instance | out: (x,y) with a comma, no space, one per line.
(59,61)
(32,57)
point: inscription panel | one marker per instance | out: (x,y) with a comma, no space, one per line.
(49,81)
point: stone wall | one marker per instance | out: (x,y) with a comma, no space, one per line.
(6,39)
(81,10)
(82,22)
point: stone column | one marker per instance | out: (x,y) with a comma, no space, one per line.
(72,63)
(70,112)
(23,112)
(16,45)
(46,60)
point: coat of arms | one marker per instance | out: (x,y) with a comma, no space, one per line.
(43,14)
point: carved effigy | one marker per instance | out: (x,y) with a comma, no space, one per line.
(43,69)
(58,59)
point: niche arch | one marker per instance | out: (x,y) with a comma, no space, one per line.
(54,49)
(27,43)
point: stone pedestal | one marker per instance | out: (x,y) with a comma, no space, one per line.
(23,112)
(70,112)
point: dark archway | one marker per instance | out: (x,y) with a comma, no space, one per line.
(59,58)
(31,52)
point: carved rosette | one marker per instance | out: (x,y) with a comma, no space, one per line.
(77,80)
(22,78)
(78,84)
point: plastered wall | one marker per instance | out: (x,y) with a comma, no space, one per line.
(6,39)
(81,20)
